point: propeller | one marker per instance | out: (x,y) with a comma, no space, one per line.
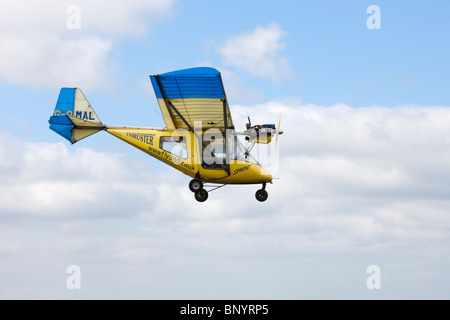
(277,132)
(249,124)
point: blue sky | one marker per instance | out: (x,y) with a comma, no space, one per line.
(364,161)
(342,61)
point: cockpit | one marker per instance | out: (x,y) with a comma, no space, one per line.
(214,153)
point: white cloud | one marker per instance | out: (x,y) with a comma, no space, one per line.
(259,52)
(237,88)
(338,162)
(38,49)
(359,186)
(119,18)
(56,61)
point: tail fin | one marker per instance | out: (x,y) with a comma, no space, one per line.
(74,118)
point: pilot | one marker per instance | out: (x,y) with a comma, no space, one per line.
(207,144)
(209,157)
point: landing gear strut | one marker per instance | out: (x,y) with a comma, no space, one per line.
(262,195)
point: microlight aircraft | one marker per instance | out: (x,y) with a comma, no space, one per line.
(199,138)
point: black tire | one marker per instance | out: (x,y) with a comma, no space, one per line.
(201,195)
(261,195)
(195,185)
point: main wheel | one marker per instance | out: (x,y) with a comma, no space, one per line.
(195,185)
(261,195)
(201,195)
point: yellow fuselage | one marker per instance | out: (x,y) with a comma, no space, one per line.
(187,157)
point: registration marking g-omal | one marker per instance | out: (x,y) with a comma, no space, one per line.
(79,114)
(58,113)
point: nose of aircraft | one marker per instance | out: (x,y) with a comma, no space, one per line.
(264,176)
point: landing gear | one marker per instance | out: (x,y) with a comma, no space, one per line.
(196,186)
(201,195)
(262,195)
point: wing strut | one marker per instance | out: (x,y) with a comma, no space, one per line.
(225,122)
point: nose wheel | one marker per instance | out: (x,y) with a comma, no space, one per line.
(262,195)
